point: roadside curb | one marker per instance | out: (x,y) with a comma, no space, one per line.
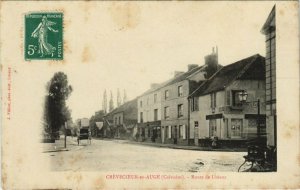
(60,150)
(187,147)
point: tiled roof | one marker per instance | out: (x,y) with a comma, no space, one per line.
(174,80)
(183,76)
(129,108)
(249,68)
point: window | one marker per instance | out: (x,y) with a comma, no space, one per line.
(235,98)
(180,92)
(236,127)
(213,100)
(182,131)
(166,111)
(141,117)
(252,123)
(119,120)
(155,98)
(194,104)
(149,132)
(116,121)
(155,114)
(166,94)
(141,103)
(196,123)
(212,127)
(180,110)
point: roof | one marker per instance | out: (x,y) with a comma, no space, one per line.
(270,22)
(249,68)
(184,75)
(174,80)
(130,108)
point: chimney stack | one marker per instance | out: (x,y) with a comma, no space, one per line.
(192,66)
(211,61)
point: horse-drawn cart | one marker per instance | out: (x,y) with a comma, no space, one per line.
(84,133)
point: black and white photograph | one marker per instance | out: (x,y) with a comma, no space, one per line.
(149,94)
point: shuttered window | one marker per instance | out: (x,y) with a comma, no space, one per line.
(183,132)
(228,98)
(169,132)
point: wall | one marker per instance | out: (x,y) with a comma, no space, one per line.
(271,83)
(254,88)
(149,105)
(117,116)
(172,102)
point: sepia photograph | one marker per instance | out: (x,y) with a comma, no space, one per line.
(148,94)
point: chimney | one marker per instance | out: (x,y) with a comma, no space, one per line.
(211,61)
(153,85)
(177,73)
(192,66)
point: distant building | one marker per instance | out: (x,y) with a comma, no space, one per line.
(269,29)
(121,122)
(215,108)
(149,114)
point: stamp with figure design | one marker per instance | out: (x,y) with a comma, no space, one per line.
(44,36)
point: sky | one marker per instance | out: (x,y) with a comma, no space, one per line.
(159,41)
(129,45)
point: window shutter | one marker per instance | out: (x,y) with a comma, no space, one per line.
(228,97)
(215,99)
(211,100)
(183,132)
(170,131)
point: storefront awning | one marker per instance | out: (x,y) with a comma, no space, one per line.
(255,116)
(214,116)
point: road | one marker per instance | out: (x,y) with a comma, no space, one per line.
(114,155)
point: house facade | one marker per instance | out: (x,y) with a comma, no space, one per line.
(215,107)
(174,100)
(120,122)
(149,114)
(269,30)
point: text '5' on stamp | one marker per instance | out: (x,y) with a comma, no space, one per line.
(44,36)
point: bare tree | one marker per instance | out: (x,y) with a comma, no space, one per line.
(104,102)
(119,100)
(111,102)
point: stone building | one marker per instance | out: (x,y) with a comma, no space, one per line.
(215,108)
(120,122)
(174,103)
(149,114)
(269,30)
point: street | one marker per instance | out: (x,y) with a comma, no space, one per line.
(119,155)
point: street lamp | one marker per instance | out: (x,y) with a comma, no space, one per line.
(243,98)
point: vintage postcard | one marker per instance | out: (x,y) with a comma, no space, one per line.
(149,94)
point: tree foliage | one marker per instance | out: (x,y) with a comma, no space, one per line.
(56,111)
(98,117)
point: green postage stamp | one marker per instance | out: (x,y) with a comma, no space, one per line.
(44,36)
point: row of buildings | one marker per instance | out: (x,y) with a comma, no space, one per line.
(234,103)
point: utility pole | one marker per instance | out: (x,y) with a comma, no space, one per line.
(65,134)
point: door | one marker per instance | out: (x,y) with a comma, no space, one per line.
(236,128)
(175,134)
(196,133)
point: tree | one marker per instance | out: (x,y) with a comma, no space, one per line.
(119,101)
(104,103)
(98,117)
(111,102)
(124,97)
(56,111)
